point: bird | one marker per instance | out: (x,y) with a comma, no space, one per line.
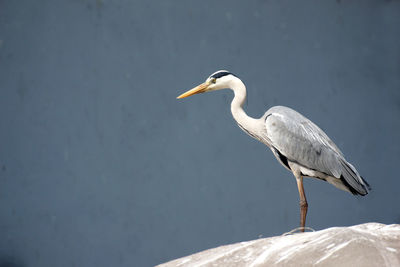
(298,144)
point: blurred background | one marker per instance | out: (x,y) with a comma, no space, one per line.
(100,165)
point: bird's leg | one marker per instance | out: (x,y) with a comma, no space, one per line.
(303,201)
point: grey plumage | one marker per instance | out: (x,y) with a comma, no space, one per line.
(304,143)
(297,143)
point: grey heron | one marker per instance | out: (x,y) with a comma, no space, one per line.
(297,143)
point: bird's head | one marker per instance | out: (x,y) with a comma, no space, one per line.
(218,80)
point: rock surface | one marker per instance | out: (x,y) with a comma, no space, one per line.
(370,244)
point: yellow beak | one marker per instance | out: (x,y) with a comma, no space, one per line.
(202,88)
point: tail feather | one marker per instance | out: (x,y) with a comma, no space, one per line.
(366,183)
(352,180)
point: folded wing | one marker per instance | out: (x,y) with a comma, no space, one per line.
(301,141)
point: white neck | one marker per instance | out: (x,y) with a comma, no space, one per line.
(237,104)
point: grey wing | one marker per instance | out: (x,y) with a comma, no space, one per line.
(301,141)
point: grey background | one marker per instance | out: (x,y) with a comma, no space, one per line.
(100,165)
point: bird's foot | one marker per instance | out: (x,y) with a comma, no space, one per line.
(299,230)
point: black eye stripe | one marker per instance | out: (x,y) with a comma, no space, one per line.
(221,74)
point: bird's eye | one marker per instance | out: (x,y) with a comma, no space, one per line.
(213,80)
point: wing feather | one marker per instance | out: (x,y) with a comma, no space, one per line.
(303,142)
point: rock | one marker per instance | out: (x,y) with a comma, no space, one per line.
(370,244)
